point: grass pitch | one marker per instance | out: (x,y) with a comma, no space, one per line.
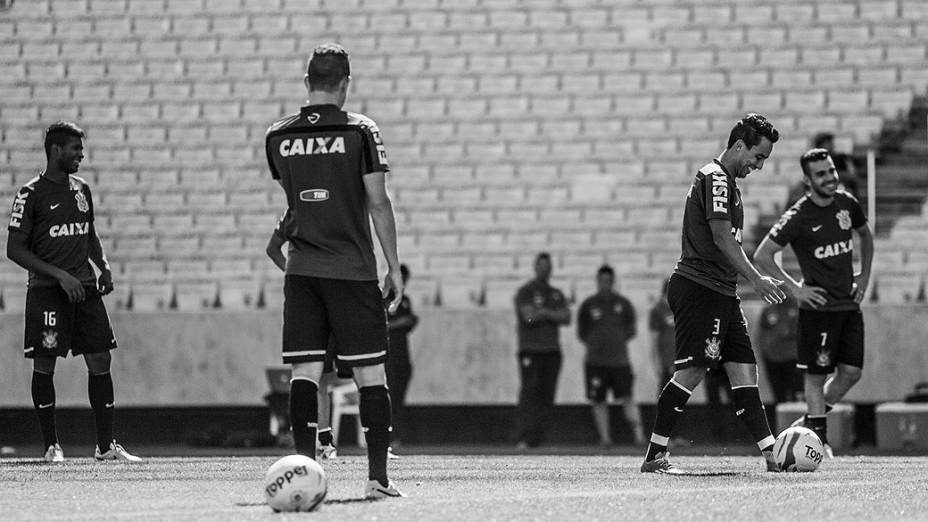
(473,487)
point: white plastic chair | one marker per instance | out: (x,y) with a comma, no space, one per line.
(346,401)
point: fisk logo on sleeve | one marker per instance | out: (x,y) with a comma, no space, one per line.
(719,193)
(19,206)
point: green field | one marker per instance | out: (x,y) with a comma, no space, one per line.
(473,487)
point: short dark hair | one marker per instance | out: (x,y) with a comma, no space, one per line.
(543,255)
(820,139)
(751,129)
(59,132)
(327,67)
(810,156)
(605,269)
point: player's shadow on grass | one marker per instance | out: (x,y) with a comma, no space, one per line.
(709,474)
(339,501)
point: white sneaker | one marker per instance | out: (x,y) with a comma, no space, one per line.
(54,453)
(116,452)
(329,451)
(390,454)
(375,490)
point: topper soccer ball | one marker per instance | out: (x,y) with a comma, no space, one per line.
(295,483)
(798,449)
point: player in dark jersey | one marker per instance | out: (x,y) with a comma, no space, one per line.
(605,324)
(332,167)
(52,235)
(830,336)
(401,322)
(710,326)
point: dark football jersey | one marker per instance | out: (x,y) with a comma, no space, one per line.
(57,219)
(605,323)
(541,335)
(713,195)
(320,156)
(822,240)
(284,225)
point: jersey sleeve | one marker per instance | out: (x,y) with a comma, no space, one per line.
(523,297)
(718,194)
(90,213)
(784,231)
(21,214)
(284,225)
(375,154)
(858,218)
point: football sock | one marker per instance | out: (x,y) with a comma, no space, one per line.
(376,418)
(750,410)
(325,437)
(818,424)
(669,407)
(43,398)
(100,391)
(304,413)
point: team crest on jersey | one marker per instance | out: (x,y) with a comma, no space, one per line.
(49,339)
(313,118)
(844,219)
(823,358)
(81,201)
(713,348)
(618,308)
(596,314)
(538,299)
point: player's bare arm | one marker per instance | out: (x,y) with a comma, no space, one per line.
(98,257)
(17,250)
(767,287)
(862,278)
(765,261)
(381,209)
(273,250)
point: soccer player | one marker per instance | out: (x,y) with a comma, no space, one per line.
(402,321)
(710,326)
(540,310)
(52,235)
(660,323)
(830,334)
(326,448)
(332,166)
(605,324)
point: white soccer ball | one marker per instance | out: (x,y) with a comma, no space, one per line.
(295,483)
(798,449)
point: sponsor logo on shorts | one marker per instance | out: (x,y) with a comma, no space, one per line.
(713,348)
(70,229)
(314,195)
(49,339)
(836,249)
(312,146)
(823,358)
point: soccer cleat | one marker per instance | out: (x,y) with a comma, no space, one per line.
(390,454)
(327,452)
(115,452)
(54,453)
(375,490)
(660,464)
(829,453)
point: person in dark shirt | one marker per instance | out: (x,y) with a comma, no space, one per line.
(332,166)
(660,324)
(776,342)
(402,321)
(710,328)
(819,227)
(52,235)
(541,310)
(605,324)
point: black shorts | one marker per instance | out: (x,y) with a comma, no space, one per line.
(710,328)
(54,326)
(601,379)
(827,339)
(350,311)
(329,366)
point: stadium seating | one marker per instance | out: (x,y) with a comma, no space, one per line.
(572,126)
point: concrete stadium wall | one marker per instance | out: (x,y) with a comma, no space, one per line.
(460,357)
